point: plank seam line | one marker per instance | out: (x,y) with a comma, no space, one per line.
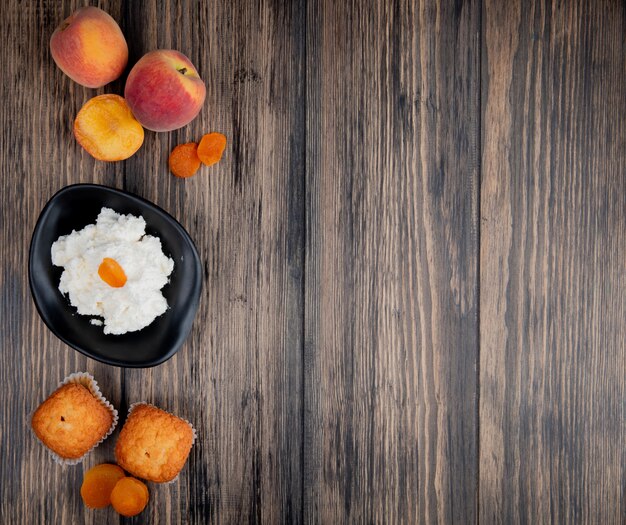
(478,219)
(303,241)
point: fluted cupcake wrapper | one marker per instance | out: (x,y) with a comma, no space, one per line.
(89,382)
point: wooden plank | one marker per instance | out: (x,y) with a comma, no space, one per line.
(391,276)
(39,157)
(553,287)
(238,378)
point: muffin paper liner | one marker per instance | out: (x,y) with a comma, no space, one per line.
(193,430)
(88,381)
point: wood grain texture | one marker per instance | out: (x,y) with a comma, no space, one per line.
(391,282)
(239,377)
(38,157)
(553,286)
(415,289)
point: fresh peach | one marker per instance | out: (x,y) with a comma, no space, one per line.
(106,128)
(164,90)
(89,47)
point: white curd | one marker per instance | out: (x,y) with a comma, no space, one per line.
(122,238)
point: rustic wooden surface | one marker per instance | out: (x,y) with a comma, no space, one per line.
(414,255)
(553,264)
(391,285)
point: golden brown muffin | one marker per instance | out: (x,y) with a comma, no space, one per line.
(71,421)
(153,444)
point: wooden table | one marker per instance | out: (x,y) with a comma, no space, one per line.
(414,261)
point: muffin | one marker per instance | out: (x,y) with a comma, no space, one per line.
(72,421)
(153,444)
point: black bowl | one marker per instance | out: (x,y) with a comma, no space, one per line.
(76,206)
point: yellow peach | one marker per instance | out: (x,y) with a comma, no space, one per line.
(106,128)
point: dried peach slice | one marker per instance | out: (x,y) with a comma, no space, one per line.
(107,129)
(98,484)
(184,161)
(211,148)
(129,496)
(112,273)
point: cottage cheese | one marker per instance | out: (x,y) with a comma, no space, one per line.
(123,238)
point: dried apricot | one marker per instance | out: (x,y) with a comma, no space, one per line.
(211,148)
(98,484)
(129,496)
(112,273)
(184,161)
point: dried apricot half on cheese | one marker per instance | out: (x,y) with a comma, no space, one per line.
(112,273)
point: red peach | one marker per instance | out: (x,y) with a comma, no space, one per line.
(164,90)
(89,47)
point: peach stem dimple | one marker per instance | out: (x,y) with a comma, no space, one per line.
(112,273)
